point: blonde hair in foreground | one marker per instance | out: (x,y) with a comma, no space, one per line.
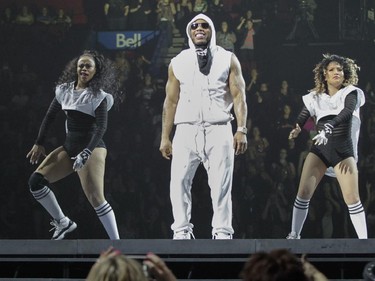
(117,268)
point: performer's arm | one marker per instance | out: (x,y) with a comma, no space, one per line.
(300,122)
(101,116)
(302,117)
(237,89)
(172,90)
(347,112)
(49,118)
(344,115)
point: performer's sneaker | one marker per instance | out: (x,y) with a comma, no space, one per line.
(62,227)
(293,235)
(183,235)
(222,236)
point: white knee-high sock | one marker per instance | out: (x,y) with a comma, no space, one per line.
(358,217)
(300,210)
(107,217)
(47,199)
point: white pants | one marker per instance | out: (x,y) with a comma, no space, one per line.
(211,145)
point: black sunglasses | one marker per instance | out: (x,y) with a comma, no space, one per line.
(195,25)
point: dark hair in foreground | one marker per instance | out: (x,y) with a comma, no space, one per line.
(105,78)
(277,265)
(350,69)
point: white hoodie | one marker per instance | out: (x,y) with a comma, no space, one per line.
(203,98)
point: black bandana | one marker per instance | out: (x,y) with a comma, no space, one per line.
(204,59)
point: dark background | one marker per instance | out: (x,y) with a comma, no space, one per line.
(137,178)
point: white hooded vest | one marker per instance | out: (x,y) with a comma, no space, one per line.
(203,98)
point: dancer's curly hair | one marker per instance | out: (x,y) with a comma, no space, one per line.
(105,77)
(349,66)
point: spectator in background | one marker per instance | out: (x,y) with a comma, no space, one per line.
(7,18)
(303,28)
(252,83)
(62,18)
(44,18)
(285,96)
(147,92)
(200,6)
(275,214)
(62,23)
(246,45)
(260,104)
(184,10)
(283,171)
(166,11)
(116,14)
(283,124)
(225,37)
(248,15)
(216,11)
(25,16)
(147,10)
(139,14)
(258,146)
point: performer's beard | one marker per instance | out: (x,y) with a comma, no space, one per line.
(204,58)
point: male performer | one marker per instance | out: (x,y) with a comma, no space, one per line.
(204,83)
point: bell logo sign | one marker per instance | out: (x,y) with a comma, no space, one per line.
(132,42)
(118,40)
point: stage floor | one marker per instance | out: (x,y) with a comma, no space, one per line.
(200,259)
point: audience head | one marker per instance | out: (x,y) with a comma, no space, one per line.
(116,268)
(277,265)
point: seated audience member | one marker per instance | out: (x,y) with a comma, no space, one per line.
(112,265)
(7,17)
(225,37)
(62,23)
(116,14)
(200,6)
(44,17)
(25,16)
(62,18)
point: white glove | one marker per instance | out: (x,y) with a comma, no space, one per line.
(328,128)
(81,159)
(320,138)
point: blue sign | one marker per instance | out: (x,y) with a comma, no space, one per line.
(117,40)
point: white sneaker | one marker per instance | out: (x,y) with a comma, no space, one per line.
(62,227)
(293,235)
(183,235)
(222,236)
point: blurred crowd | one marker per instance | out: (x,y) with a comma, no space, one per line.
(36,42)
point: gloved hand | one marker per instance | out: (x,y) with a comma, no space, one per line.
(320,138)
(81,159)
